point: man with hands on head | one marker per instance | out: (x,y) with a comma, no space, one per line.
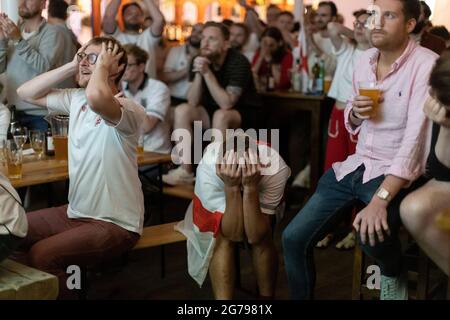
(104,216)
(390,156)
(221,90)
(239,186)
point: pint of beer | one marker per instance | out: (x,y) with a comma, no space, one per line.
(371,90)
(60,132)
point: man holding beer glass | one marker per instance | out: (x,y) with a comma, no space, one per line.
(390,154)
(105,213)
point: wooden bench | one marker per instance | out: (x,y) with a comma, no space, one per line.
(181,191)
(159,235)
(20,282)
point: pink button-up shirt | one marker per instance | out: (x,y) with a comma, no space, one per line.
(397,143)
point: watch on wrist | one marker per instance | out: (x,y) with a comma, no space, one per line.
(383,194)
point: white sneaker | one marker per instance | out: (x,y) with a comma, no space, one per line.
(178,176)
(394,288)
(303,178)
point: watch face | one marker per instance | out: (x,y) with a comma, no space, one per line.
(383,194)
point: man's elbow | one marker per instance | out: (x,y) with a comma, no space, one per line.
(95,98)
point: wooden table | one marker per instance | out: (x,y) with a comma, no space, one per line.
(35,172)
(20,282)
(312,104)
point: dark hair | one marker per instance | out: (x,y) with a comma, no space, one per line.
(360,12)
(297,27)
(243,27)
(286,13)
(135,51)
(426,9)
(441,32)
(123,60)
(440,79)
(411,9)
(332,6)
(127,5)
(227,22)
(273,6)
(57,9)
(223,29)
(276,34)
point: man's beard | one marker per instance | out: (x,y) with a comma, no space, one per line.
(194,43)
(212,56)
(132,26)
(236,45)
(29,15)
(419,27)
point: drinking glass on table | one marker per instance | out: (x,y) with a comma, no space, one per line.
(20,134)
(37,139)
(14,159)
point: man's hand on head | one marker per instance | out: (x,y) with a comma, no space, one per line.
(109,58)
(229,170)
(251,170)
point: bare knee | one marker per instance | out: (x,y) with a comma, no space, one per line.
(225,119)
(183,112)
(413,210)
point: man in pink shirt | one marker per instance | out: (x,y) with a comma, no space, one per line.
(390,156)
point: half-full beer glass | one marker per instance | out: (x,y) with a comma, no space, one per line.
(60,132)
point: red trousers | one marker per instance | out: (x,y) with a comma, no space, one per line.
(341,143)
(56,242)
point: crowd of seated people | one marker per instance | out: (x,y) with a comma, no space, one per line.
(119,92)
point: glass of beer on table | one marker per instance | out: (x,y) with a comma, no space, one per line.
(372,90)
(140,146)
(60,133)
(14,158)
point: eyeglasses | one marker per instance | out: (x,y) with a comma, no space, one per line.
(91,57)
(359,24)
(129,65)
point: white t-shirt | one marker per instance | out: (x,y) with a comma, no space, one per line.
(4,122)
(251,46)
(154,96)
(12,214)
(326,46)
(146,41)
(341,87)
(103,171)
(177,60)
(202,220)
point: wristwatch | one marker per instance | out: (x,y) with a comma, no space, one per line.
(383,194)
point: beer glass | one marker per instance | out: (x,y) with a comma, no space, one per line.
(371,90)
(60,133)
(14,158)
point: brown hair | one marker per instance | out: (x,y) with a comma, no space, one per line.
(133,50)
(223,29)
(411,9)
(440,79)
(97,41)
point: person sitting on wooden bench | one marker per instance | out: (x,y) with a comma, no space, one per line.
(104,217)
(239,186)
(13,221)
(420,208)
